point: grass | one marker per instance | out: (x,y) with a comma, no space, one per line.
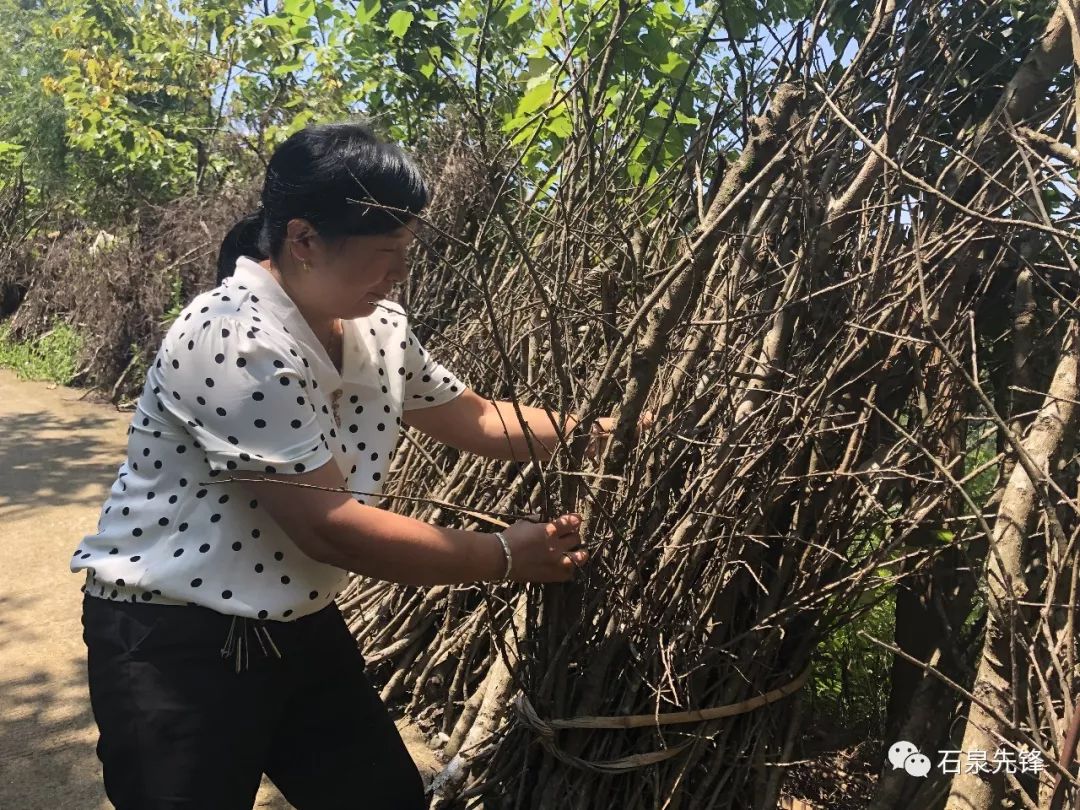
(52,356)
(852,676)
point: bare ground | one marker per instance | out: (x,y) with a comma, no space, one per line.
(58,457)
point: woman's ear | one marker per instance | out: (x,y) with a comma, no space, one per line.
(301,235)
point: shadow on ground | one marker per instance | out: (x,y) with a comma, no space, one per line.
(47,459)
(47,757)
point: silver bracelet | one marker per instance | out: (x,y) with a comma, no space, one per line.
(506,552)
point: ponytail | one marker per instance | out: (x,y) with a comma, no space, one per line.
(245,239)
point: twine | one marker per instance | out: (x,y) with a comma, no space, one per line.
(545,729)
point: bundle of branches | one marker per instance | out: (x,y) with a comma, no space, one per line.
(859,336)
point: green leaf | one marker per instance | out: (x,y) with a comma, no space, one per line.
(300,120)
(634,168)
(672,62)
(561,126)
(399,23)
(517,14)
(525,134)
(537,66)
(288,67)
(513,122)
(536,98)
(299,8)
(680,118)
(366,10)
(738,23)
(274,22)
(323,12)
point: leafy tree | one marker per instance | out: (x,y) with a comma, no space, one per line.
(32,134)
(140,85)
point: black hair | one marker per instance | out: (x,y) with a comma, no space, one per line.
(242,240)
(339,177)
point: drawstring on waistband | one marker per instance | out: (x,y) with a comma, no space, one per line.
(237,644)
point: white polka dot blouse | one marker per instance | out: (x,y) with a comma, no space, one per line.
(241,383)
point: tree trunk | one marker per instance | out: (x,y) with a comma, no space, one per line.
(1016,517)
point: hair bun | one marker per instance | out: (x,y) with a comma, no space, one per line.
(244,239)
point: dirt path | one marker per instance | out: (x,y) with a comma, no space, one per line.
(58,457)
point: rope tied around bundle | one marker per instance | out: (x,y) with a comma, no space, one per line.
(546,729)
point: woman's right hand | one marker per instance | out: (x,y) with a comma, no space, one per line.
(541,552)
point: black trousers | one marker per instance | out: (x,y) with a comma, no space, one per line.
(180,728)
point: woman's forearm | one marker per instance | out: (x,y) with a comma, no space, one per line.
(385,545)
(508,434)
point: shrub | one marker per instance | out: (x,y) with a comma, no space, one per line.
(52,356)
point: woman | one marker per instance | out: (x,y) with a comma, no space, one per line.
(216,652)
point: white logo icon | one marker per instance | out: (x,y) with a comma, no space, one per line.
(899,751)
(906,756)
(903,754)
(917,765)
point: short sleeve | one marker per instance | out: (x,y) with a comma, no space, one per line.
(243,397)
(427,382)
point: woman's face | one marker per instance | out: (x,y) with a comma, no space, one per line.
(348,275)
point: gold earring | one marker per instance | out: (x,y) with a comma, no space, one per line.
(307,267)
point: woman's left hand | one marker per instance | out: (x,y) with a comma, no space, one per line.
(602,428)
